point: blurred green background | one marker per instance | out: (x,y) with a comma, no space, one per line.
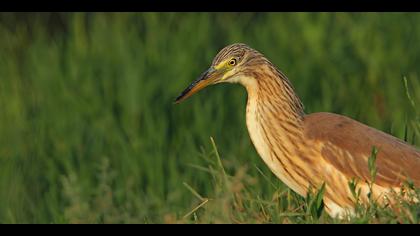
(88,128)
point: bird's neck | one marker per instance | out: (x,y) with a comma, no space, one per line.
(274,120)
(272,96)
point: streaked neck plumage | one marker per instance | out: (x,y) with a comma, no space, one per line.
(274,117)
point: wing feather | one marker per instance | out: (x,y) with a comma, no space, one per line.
(347,145)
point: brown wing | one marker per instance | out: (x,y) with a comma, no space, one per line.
(348,145)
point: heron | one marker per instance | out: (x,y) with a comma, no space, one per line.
(307,150)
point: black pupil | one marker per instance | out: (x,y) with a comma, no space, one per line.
(232,62)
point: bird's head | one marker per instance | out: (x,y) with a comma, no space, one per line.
(229,65)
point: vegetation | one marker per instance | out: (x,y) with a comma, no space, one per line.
(89,132)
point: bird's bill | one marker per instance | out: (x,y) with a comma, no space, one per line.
(206,78)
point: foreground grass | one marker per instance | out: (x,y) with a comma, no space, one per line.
(89,132)
(234,201)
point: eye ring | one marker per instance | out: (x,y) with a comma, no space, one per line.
(232,62)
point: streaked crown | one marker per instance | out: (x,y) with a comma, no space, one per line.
(239,51)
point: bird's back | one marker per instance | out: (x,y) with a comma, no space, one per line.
(395,159)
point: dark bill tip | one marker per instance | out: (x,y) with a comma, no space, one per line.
(192,88)
(183,94)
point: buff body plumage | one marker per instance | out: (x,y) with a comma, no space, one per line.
(305,151)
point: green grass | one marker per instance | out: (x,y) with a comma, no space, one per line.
(89,132)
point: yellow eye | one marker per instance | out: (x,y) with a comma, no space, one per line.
(232,62)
